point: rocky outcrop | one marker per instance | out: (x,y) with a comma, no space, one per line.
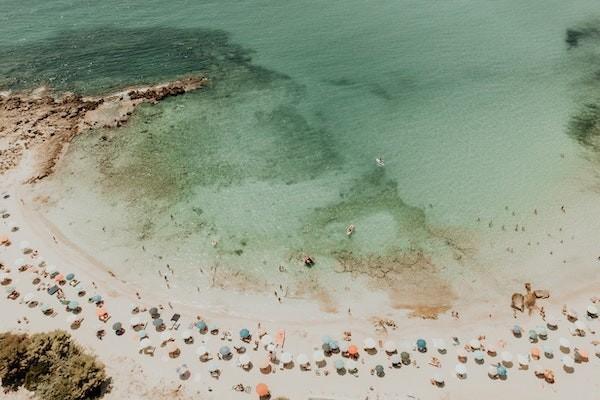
(46,123)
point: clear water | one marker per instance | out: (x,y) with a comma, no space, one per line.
(467,102)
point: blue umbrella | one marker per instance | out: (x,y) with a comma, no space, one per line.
(516,330)
(396,359)
(95,298)
(157,322)
(333,345)
(200,325)
(533,335)
(142,334)
(502,371)
(478,355)
(339,364)
(326,339)
(70,276)
(244,333)
(224,351)
(421,345)
(72,305)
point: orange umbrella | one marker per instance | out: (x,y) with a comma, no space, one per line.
(280,338)
(262,390)
(581,354)
(4,240)
(535,353)
(353,350)
(59,278)
(101,311)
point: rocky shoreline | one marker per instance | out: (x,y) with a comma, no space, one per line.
(42,121)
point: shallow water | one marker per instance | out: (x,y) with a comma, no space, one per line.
(468,103)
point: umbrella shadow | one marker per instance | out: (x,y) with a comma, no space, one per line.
(568,370)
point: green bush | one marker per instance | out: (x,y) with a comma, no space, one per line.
(51,365)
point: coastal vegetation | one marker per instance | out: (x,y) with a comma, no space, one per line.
(585,126)
(51,365)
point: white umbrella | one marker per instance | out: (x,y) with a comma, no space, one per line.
(302,359)
(369,344)
(25,246)
(19,262)
(135,321)
(460,369)
(564,343)
(440,344)
(475,344)
(507,357)
(438,378)
(286,357)
(344,346)
(390,346)
(551,321)
(212,367)
(580,325)
(186,334)
(166,335)
(537,369)
(71,319)
(592,310)
(145,343)
(266,340)
(201,351)
(571,313)
(568,361)
(492,371)
(318,356)
(351,365)
(28,297)
(270,347)
(461,353)
(548,350)
(523,360)
(244,360)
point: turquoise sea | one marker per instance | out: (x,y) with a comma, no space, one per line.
(468,103)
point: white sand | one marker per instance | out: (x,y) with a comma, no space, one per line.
(142,376)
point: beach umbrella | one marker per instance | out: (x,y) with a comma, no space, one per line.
(28,297)
(186,335)
(326,339)
(318,356)
(182,370)
(71,319)
(535,352)
(551,321)
(568,361)
(507,357)
(266,340)
(101,311)
(580,325)
(491,350)
(286,357)
(19,262)
(502,371)
(244,360)
(201,326)
(439,378)
(326,348)
(379,370)
(142,334)
(533,335)
(244,333)
(344,346)
(333,345)
(212,368)
(474,344)
(24,246)
(352,350)
(201,351)
(390,346)
(157,322)
(117,326)
(153,312)
(45,308)
(493,371)
(592,310)
(461,354)
(581,355)
(70,276)
(10,289)
(213,328)
(440,344)
(517,330)
(405,357)
(145,343)
(369,344)
(262,390)
(461,369)
(270,347)
(541,331)
(72,305)
(172,348)
(396,359)
(351,365)
(548,351)
(166,336)
(564,343)
(95,299)
(478,355)
(522,360)
(135,321)
(302,359)
(421,345)
(572,314)
(339,364)
(225,351)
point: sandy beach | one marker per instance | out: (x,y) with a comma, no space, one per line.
(484,318)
